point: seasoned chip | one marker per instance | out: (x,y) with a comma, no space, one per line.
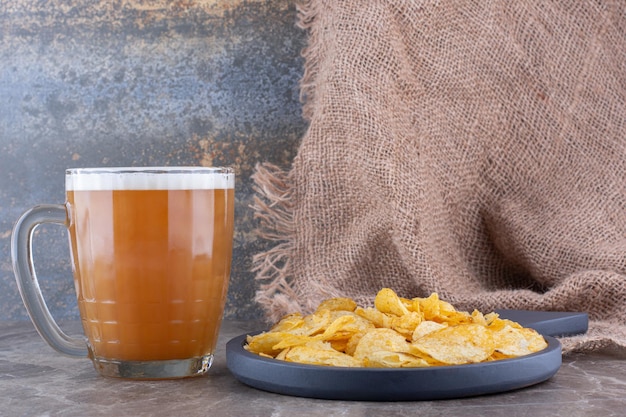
(377,340)
(398,332)
(265,342)
(289,323)
(378,318)
(387,301)
(455,345)
(320,355)
(384,359)
(341,328)
(425,328)
(291,340)
(406,324)
(337,304)
(512,341)
(433,308)
(478,318)
(316,323)
(353,343)
(357,325)
(496,323)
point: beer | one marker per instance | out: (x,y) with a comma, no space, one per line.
(151,257)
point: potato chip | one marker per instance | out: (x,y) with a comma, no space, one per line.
(380,339)
(352,343)
(339,345)
(478,318)
(433,308)
(319,355)
(385,359)
(495,324)
(378,318)
(455,345)
(338,304)
(398,332)
(358,324)
(289,323)
(387,301)
(290,340)
(341,328)
(512,341)
(265,342)
(426,327)
(316,323)
(406,324)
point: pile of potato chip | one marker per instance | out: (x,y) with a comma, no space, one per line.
(396,333)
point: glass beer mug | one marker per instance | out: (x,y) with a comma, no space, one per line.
(151,253)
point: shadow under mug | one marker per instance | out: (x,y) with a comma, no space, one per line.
(151,252)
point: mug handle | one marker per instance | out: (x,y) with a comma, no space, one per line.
(28,285)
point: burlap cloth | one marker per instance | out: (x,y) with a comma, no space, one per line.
(476,149)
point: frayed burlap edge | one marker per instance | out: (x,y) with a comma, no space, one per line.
(311,55)
(273,209)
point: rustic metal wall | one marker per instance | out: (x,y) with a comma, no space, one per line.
(133,83)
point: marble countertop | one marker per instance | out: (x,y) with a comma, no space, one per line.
(36,381)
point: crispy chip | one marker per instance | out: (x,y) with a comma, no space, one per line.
(455,345)
(340,345)
(290,340)
(358,325)
(289,323)
(378,318)
(319,355)
(425,328)
(384,359)
(406,324)
(387,301)
(337,304)
(495,324)
(380,339)
(341,328)
(265,342)
(433,308)
(353,343)
(316,323)
(398,332)
(512,341)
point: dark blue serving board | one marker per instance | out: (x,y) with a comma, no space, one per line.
(411,384)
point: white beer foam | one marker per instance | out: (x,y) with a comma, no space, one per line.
(167,178)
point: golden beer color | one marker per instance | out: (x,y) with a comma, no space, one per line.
(151,269)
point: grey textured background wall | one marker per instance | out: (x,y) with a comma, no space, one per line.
(140,83)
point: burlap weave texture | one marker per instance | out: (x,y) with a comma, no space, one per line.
(476,149)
